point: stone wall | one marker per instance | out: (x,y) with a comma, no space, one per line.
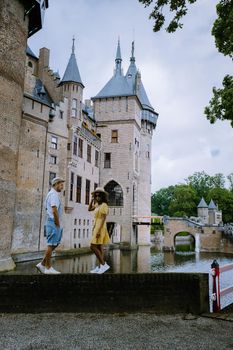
(146,292)
(210,236)
(13,36)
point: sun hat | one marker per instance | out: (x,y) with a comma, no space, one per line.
(57,180)
(99,189)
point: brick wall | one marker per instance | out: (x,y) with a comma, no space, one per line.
(146,292)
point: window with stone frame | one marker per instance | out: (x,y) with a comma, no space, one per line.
(53,159)
(51,177)
(87,195)
(96,158)
(107,160)
(54,141)
(89,153)
(61,114)
(71,185)
(78,189)
(80,148)
(75,145)
(114,138)
(115,193)
(74,112)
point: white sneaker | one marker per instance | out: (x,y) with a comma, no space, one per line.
(95,270)
(41,267)
(51,271)
(103,268)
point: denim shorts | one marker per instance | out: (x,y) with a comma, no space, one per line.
(53,233)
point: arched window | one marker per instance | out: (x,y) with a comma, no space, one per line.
(115,194)
(30,64)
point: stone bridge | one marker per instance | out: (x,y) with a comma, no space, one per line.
(207,237)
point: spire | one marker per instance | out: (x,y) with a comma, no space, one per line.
(72,74)
(73,46)
(132,58)
(118,59)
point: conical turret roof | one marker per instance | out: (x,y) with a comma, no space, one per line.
(72,72)
(212,205)
(202,204)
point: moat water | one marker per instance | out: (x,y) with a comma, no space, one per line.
(146,259)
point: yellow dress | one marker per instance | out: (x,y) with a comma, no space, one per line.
(100,210)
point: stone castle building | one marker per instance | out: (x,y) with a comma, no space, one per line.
(209,214)
(104,141)
(19,19)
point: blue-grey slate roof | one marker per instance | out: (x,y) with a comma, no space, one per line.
(30,53)
(72,72)
(202,204)
(212,205)
(120,85)
(40,94)
(116,86)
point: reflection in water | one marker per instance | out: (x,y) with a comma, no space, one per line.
(184,243)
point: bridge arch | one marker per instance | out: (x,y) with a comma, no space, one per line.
(184,241)
(173,226)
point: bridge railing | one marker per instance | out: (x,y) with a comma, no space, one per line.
(217,293)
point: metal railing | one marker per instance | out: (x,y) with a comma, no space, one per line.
(217,293)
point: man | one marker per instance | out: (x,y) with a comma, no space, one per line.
(53,225)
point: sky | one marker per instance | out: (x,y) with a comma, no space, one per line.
(178,72)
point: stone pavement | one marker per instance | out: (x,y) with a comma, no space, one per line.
(119,331)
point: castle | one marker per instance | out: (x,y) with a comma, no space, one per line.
(104,141)
(209,214)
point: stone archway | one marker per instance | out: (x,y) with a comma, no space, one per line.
(116,198)
(172,226)
(184,241)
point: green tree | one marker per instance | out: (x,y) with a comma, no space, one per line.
(222,28)
(230,179)
(202,183)
(161,199)
(221,105)
(177,7)
(184,201)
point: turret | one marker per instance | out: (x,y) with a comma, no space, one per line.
(72,87)
(202,211)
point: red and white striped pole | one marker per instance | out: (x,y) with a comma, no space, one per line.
(216,286)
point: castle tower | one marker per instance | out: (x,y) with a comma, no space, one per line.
(215,215)
(118,111)
(82,173)
(72,89)
(18,20)
(202,211)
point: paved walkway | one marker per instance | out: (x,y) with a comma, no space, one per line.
(113,331)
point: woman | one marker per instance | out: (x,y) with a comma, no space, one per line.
(99,204)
